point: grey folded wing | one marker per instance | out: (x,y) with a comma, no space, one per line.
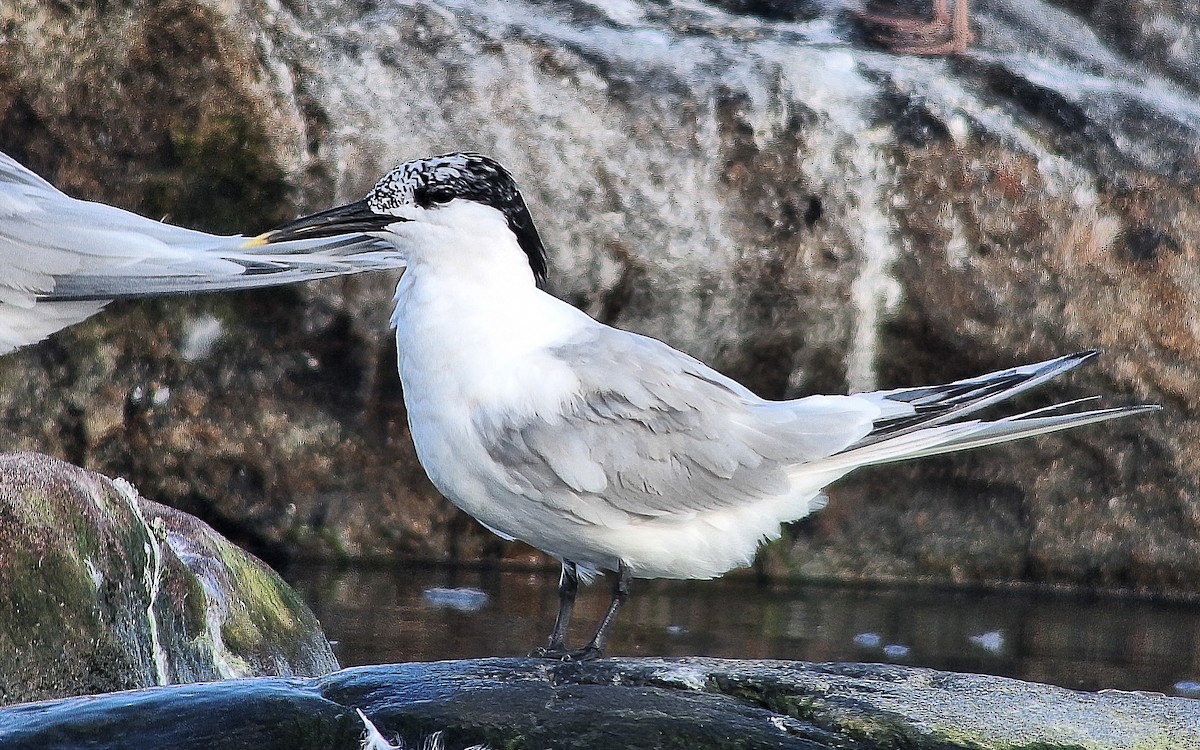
(652,432)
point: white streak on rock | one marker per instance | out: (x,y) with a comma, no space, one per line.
(152,577)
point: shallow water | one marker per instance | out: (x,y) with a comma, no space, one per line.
(407,613)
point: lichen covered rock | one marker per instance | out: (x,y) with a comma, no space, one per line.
(104,590)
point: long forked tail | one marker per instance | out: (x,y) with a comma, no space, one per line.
(928,421)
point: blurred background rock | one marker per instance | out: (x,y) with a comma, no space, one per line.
(754,183)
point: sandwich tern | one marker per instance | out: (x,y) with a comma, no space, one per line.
(63,259)
(609,450)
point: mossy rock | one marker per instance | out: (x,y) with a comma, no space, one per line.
(104,590)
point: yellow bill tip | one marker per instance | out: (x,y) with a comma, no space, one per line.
(258,241)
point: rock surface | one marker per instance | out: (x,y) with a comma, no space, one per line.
(104,590)
(749,181)
(643,703)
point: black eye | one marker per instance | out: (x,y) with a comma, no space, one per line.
(436,196)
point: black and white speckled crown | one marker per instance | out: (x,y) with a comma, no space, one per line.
(470,176)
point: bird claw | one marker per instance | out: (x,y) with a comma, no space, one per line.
(559,653)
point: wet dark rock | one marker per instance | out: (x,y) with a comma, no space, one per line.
(104,590)
(748,181)
(629,703)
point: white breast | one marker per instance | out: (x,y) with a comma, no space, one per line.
(472,332)
(474,336)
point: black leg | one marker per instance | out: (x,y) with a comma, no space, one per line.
(620,594)
(568,586)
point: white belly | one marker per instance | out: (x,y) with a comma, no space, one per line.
(465,364)
(452,450)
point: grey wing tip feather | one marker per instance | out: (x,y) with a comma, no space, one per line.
(1071,361)
(950,403)
(980,434)
(1130,411)
(1092,415)
(1039,371)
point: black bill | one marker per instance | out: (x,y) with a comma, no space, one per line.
(352,218)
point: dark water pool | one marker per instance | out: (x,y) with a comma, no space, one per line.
(392,614)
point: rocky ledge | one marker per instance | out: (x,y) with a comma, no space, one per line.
(630,703)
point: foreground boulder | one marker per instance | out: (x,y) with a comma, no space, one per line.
(103,590)
(615,703)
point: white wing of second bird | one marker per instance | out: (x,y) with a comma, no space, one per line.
(63,259)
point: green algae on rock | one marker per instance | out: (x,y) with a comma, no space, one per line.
(104,590)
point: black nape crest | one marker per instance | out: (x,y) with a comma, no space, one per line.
(441,179)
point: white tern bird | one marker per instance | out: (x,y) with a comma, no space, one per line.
(609,450)
(63,259)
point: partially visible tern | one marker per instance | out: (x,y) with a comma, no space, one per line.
(63,259)
(608,450)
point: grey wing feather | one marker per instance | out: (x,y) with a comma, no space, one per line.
(936,420)
(20,326)
(241,268)
(653,432)
(63,258)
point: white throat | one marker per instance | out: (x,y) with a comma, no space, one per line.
(465,242)
(469,317)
